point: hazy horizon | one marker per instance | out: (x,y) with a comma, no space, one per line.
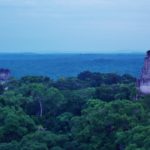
(82,53)
(81,26)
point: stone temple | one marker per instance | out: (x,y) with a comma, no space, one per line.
(143,84)
(4,75)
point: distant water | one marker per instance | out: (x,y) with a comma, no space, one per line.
(63,65)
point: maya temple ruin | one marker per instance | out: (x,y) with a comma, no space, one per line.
(143,83)
(4,75)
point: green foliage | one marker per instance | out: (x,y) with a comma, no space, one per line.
(93,111)
(14,124)
(9,146)
(117,91)
(54,101)
(135,139)
(42,141)
(12,98)
(97,79)
(36,79)
(100,122)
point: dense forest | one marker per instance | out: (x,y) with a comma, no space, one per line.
(93,111)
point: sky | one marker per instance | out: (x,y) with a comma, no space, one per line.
(74,26)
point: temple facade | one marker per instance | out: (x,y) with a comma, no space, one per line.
(4,75)
(143,84)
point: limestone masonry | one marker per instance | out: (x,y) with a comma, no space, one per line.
(143,84)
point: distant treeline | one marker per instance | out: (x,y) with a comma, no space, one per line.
(93,111)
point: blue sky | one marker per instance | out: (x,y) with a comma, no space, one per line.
(74,26)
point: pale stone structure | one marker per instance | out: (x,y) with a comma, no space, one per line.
(143,84)
(4,75)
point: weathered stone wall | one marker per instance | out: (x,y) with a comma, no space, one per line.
(143,84)
(4,75)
